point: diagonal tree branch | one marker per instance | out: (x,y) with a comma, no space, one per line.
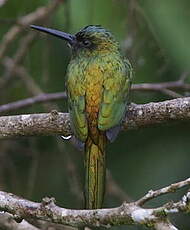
(127,213)
(31,86)
(43,97)
(46,97)
(18,57)
(164,225)
(38,14)
(169,189)
(2,2)
(55,123)
(162,85)
(166,88)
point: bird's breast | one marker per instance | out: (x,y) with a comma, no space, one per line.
(94,90)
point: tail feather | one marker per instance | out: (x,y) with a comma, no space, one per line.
(95,172)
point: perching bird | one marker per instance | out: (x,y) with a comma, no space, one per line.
(98,83)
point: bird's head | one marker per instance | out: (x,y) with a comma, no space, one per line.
(91,40)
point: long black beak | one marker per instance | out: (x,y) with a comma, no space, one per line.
(62,35)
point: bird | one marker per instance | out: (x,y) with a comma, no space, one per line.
(98,85)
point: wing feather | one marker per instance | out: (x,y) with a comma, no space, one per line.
(76,101)
(114,100)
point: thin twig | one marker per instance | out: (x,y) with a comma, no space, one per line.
(2,2)
(43,97)
(29,83)
(184,75)
(17,59)
(115,190)
(31,101)
(164,225)
(31,86)
(169,189)
(173,85)
(39,14)
(171,93)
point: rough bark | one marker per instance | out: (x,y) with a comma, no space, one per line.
(126,214)
(55,123)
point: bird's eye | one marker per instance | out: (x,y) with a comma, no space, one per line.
(87,43)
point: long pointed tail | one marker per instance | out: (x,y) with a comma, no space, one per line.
(95,172)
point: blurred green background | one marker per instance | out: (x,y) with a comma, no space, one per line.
(155,36)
